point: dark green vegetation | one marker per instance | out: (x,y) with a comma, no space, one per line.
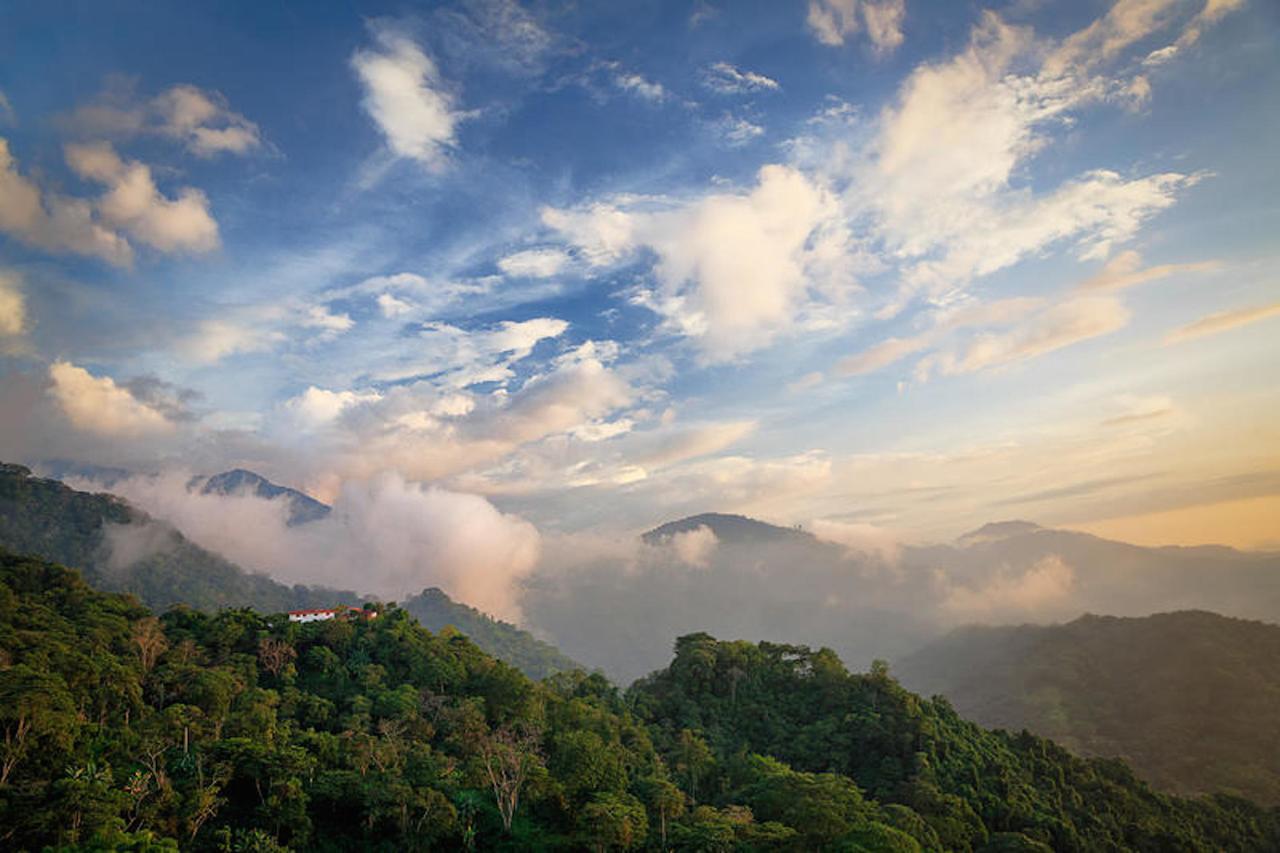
(242,732)
(121,549)
(1191,700)
(930,773)
(436,611)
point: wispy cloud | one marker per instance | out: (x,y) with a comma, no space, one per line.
(1222,321)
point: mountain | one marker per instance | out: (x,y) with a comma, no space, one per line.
(119,548)
(124,731)
(868,597)
(436,611)
(737,529)
(952,784)
(302,507)
(1191,700)
(122,549)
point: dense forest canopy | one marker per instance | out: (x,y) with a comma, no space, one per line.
(243,731)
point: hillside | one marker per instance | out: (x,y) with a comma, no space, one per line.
(1191,700)
(436,611)
(961,787)
(120,548)
(244,732)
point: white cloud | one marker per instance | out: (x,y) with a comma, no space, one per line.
(833,21)
(318,407)
(860,539)
(535,263)
(99,405)
(695,547)
(392,307)
(737,131)
(1222,321)
(951,213)
(331,325)
(734,269)
(7,114)
(200,119)
(53,222)
(133,204)
(385,537)
(406,97)
(214,340)
(1039,591)
(726,79)
(640,86)
(13,305)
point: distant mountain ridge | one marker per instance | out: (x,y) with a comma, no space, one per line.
(1191,699)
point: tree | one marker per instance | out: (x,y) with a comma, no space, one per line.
(665,798)
(693,759)
(509,754)
(274,654)
(151,641)
(613,820)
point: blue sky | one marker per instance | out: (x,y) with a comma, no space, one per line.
(894,267)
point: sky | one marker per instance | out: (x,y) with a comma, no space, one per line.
(895,266)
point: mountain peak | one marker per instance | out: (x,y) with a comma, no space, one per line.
(302,507)
(727,528)
(997,530)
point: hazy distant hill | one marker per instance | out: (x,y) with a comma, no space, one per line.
(536,659)
(119,548)
(1191,700)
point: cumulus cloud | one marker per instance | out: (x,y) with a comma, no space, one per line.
(535,263)
(13,305)
(834,21)
(200,119)
(385,536)
(1222,321)
(99,405)
(53,222)
(726,79)
(132,202)
(407,98)
(734,269)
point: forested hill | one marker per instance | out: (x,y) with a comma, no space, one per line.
(535,658)
(863,738)
(1190,699)
(119,548)
(237,731)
